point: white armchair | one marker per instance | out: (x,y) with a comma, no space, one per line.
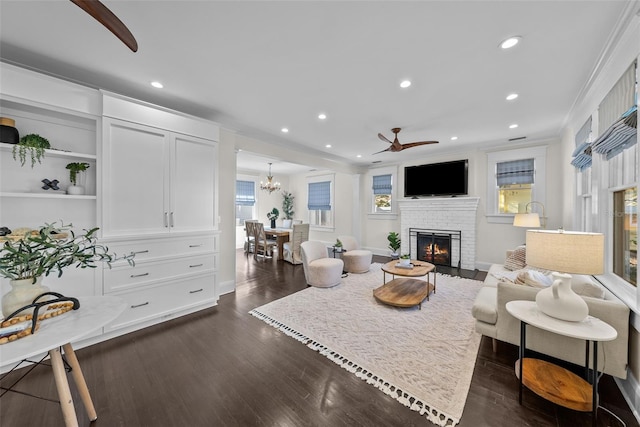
(356,260)
(320,270)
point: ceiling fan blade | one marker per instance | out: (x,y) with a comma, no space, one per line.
(384,138)
(103,15)
(388,149)
(415,144)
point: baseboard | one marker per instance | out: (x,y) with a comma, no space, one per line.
(226,287)
(630,389)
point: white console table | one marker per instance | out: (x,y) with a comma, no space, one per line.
(58,332)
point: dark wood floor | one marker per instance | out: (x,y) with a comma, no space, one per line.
(223,367)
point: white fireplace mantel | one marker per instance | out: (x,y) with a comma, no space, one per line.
(443,213)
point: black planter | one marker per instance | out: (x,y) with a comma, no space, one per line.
(9,134)
(273,223)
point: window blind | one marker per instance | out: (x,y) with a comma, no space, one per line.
(382,184)
(619,99)
(515,172)
(245,193)
(619,136)
(582,154)
(319,196)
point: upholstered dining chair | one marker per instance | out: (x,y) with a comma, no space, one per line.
(249,245)
(263,246)
(356,260)
(320,270)
(291,249)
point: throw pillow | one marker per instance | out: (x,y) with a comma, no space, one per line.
(534,279)
(584,286)
(517,259)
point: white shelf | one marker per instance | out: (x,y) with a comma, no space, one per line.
(55,153)
(48,196)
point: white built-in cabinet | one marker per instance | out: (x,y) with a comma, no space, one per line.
(159,202)
(156,181)
(151,189)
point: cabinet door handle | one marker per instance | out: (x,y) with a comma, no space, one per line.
(196,291)
(195,246)
(196,265)
(139,275)
(171,219)
(166,219)
(140,305)
(141,252)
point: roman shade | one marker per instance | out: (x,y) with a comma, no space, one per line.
(319,196)
(582,154)
(515,172)
(382,184)
(245,193)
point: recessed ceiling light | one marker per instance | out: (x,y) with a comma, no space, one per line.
(512,96)
(284,130)
(322,116)
(405,84)
(513,126)
(359,155)
(510,42)
(453,138)
(328,145)
(157,85)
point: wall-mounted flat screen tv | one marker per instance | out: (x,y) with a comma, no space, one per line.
(437,179)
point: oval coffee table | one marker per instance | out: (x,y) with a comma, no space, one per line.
(405,291)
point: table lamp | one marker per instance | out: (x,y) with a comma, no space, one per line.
(529,219)
(564,252)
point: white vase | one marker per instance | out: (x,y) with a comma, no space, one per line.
(79,188)
(405,261)
(560,301)
(22,293)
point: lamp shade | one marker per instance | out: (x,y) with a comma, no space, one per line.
(566,251)
(530,220)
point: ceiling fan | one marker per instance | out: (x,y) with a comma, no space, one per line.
(396,146)
(107,18)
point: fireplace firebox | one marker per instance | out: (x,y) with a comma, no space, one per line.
(436,246)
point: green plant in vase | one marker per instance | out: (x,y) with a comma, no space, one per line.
(75,169)
(394,243)
(32,146)
(27,256)
(287,204)
(273,216)
(405,259)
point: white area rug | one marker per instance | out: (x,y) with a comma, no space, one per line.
(423,358)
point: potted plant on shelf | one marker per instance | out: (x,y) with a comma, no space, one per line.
(33,145)
(77,177)
(273,216)
(26,256)
(394,244)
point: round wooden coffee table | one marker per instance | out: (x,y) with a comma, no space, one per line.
(405,291)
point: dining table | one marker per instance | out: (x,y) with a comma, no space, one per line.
(281,235)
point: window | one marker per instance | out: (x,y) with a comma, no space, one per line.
(245,200)
(515,181)
(514,178)
(382,193)
(625,234)
(320,201)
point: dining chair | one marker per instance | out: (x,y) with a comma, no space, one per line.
(262,245)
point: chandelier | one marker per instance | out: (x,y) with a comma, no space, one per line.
(270,186)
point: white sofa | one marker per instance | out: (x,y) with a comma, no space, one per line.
(493,320)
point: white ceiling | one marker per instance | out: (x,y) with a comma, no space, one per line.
(256,67)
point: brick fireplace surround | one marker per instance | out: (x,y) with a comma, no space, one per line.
(450,213)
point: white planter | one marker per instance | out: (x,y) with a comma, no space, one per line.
(75,190)
(404,261)
(22,293)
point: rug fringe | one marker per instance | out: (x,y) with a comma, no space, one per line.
(407,399)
